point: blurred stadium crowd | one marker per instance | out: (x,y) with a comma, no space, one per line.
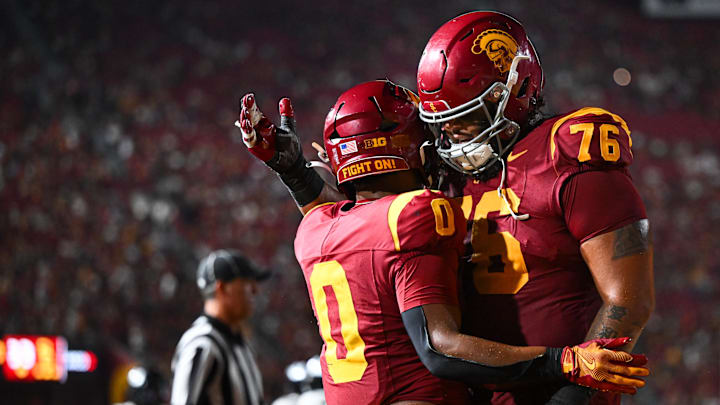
(119,167)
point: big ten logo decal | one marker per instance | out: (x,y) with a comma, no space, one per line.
(375,142)
(499,263)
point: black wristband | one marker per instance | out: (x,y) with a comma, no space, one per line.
(303,182)
(550,364)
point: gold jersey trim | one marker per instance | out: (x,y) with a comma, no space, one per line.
(394,211)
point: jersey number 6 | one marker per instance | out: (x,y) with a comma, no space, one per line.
(499,263)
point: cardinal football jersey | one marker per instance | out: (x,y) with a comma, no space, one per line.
(524,282)
(363,267)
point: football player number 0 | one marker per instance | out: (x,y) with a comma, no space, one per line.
(444,218)
(499,263)
(351,368)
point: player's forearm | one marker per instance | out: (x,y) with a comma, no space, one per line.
(621,318)
(483,351)
(443,325)
(622,265)
(484,363)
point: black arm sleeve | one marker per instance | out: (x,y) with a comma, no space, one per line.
(545,367)
(303,182)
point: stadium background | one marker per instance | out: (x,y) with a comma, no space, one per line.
(119,170)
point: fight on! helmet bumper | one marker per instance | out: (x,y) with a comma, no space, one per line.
(373,128)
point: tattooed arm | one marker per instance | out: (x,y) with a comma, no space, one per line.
(621,263)
(604,211)
(620,259)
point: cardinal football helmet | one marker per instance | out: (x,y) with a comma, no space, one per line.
(480,66)
(373,128)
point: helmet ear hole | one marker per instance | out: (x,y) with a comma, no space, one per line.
(523,87)
(387,125)
(334,137)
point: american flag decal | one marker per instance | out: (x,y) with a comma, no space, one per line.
(348,147)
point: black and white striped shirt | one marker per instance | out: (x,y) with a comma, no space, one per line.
(214,366)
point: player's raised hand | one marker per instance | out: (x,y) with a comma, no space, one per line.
(593,364)
(278,147)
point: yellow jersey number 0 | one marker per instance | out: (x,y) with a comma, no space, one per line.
(499,263)
(353,366)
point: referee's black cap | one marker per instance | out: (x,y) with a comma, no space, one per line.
(226,265)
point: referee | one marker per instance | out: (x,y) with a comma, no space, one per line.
(213,363)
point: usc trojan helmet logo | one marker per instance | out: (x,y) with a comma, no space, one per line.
(499,47)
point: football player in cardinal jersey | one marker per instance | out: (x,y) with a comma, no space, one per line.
(559,250)
(381,268)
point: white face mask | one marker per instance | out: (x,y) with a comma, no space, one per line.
(477,154)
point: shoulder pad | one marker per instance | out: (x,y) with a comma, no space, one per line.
(422,219)
(591,136)
(325,209)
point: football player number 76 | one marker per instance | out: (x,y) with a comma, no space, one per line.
(609,147)
(330,277)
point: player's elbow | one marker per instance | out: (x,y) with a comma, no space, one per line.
(444,342)
(433,353)
(431,344)
(638,306)
(441,351)
(436,362)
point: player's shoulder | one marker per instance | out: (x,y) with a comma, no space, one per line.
(315,222)
(423,218)
(324,209)
(590,135)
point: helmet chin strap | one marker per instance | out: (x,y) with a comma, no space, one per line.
(424,162)
(521,217)
(315,163)
(324,160)
(513,74)
(512,80)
